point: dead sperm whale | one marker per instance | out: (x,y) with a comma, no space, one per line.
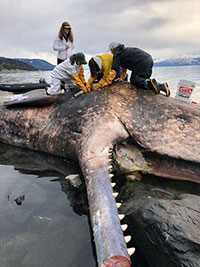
(139,130)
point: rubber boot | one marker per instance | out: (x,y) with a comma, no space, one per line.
(42,80)
(165,88)
(153,85)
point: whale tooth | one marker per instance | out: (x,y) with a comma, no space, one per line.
(124,227)
(127,238)
(111,175)
(110,160)
(121,216)
(113,184)
(110,167)
(115,194)
(131,251)
(118,205)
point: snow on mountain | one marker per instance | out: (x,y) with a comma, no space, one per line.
(187,60)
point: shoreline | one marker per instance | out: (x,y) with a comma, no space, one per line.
(16,70)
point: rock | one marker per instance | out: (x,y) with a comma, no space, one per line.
(165,224)
(170,231)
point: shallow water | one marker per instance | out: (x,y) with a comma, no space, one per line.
(43,218)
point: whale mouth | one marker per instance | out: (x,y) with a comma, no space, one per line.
(96,162)
(133,161)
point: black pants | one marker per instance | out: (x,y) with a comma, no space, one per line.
(59,61)
(62,83)
(141,72)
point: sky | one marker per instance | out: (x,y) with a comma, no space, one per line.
(163,28)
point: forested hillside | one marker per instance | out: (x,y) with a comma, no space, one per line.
(12,64)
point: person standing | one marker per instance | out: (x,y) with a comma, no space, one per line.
(137,61)
(64,43)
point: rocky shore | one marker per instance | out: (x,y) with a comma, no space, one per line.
(164,221)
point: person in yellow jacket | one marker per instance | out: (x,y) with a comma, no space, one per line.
(70,71)
(100,67)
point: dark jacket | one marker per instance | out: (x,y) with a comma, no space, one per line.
(128,57)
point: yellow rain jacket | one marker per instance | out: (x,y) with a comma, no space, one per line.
(79,79)
(106,60)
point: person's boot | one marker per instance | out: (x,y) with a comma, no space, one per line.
(153,85)
(165,88)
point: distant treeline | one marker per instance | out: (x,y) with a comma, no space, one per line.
(24,64)
(12,64)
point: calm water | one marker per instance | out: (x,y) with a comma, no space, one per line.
(43,217)
(171,75)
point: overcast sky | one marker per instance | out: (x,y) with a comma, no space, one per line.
(164,28)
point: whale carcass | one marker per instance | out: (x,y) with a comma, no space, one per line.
(140,131)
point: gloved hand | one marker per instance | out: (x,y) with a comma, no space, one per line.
(78,82)
(96,87)
(85,89)
(81,75)
(111,76)
(123,73)
(88,87)
(118,80)
(89,83)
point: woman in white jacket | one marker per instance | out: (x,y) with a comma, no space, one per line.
(64,43)
(69,71)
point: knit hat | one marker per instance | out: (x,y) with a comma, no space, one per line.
(98,61)
(113,45)
(81,57)
(66,25)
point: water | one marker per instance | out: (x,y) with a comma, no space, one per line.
(171,75)
(43,218)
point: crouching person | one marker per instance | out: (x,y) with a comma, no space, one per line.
(100,67)
(137,61)
(70,71)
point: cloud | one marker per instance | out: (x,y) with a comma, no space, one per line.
(160,27)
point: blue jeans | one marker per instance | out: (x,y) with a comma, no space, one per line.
(100,75)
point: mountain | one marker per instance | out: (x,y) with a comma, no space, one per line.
(12,64)
(39,64)
(187,61)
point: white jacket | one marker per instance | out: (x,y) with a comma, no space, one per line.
(65,70)
(60,45)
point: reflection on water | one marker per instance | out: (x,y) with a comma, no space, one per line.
(40,212)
